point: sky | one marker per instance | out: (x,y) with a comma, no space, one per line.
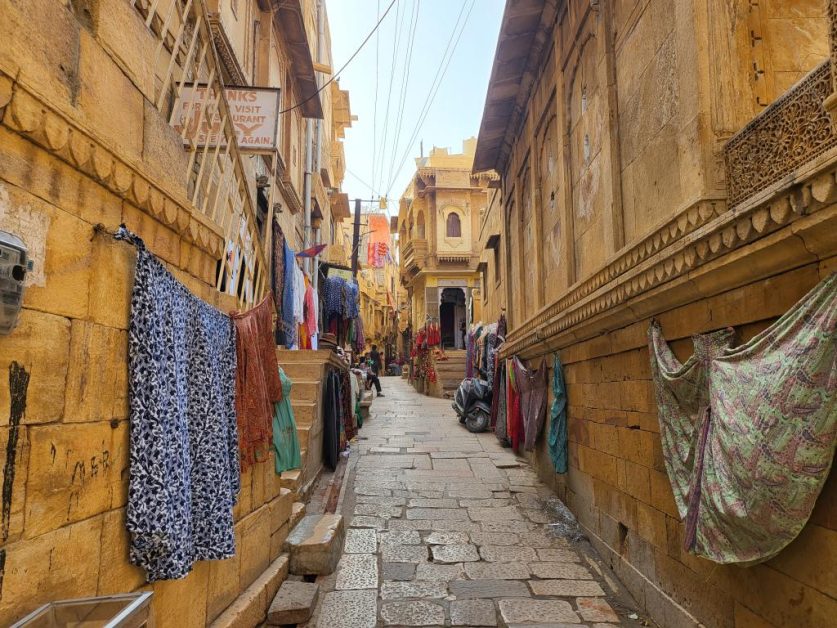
(380,149)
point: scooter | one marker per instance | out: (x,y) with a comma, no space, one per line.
(472,403)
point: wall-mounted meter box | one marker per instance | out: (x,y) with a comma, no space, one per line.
(13,268)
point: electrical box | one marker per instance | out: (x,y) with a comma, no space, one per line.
(14,265)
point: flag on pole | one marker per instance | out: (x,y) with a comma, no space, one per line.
(313,251)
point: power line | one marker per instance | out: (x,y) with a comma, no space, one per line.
(337,74)
(404,84)
(371,189)
(375,114)
(389,92)
(434,89)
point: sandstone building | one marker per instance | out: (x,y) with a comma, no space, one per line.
(438,231)
(88,136)
(668,159)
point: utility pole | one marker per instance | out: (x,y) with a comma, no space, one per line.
(356,239)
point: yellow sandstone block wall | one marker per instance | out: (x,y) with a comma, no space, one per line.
(618,488)
(65,460)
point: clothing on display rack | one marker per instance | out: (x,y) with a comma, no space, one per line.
(749,433)
(278,274)
(184,475)
(257,384)
(285,439)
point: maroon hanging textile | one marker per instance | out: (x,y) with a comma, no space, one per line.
(531,386)
(257,383)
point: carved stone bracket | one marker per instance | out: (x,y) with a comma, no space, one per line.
(33,118)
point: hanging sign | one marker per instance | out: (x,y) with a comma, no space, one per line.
(254,114)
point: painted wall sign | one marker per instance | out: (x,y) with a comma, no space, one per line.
(254,111)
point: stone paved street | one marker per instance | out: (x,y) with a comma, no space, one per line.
(447,528)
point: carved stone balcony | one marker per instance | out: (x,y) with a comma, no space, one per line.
(415,255)
(792,132)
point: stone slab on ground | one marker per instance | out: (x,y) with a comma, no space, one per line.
(357,571)
(473,613)
(595,609)
(399,571)
(413,613)
(547,612)
(348,609)
(315,544)
(566,588)
(454,553)
(293,603)
(419,589)
(471,589)
(361,541)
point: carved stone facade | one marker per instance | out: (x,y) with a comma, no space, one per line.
(680,164)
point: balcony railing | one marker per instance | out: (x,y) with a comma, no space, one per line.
(189,93)
(792,132)
(415,254)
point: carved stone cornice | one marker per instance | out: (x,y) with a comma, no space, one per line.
(32,117)
(225,50)
(650,277)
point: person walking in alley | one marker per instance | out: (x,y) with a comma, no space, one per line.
(375,360)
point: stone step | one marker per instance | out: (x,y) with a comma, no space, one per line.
(297,513)
(286,356)
(248,610)
(305,390)
(293,604)
(304,412)
(302,434)
(291,480)
(315,544)
(303,370)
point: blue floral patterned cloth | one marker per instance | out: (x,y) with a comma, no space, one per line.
(184,465)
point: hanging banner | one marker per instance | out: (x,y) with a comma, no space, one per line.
(254,112)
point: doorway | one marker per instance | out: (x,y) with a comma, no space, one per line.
(452,317)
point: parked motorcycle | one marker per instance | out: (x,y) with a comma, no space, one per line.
(472,403)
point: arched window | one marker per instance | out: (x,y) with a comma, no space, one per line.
(454,226)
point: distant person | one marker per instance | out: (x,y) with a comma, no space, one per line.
(461,343)
(371,378)
(375,360)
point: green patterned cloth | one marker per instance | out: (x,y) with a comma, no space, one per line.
(748,433)
(558,418)
(285,439)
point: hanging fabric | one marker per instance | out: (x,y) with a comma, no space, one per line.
(285,438)
(501,418)
(257,384)
(531,387)
(184,474)
(278,273)
(331,421)
(514,416)
(288,324)
(558,418)
(749,432)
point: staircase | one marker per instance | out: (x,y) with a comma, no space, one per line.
(449,373)
(306,369)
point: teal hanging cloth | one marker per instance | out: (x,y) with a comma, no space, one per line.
(285,440)
(558,416)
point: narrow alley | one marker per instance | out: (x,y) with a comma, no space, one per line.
(445,527)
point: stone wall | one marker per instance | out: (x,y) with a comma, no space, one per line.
(618,160)
(618,488)
(80,145)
